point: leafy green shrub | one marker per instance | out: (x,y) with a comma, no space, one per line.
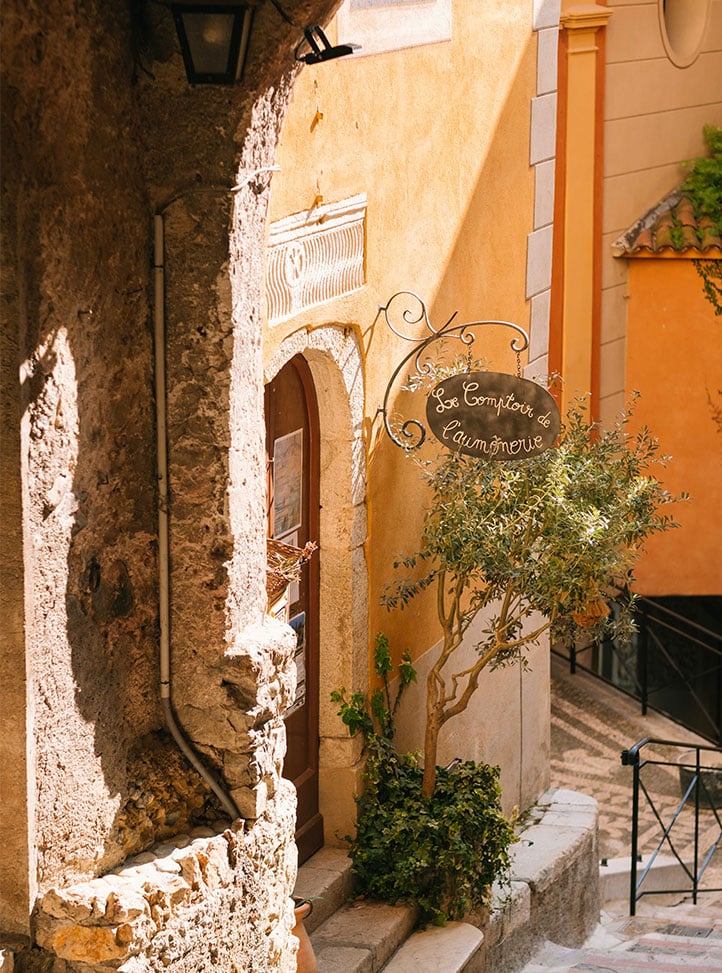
(442,853)
(703,185)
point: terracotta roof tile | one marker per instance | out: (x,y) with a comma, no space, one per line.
(708,235)
(671,226)
(684,212)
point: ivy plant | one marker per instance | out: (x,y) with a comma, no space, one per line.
(703,183)
(703,186)
(442,854)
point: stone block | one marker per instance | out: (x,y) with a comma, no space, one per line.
(511,913)
(449,948)
(78,903)
(124,906)
(375,926)
(190,869)
(345,959)
(167,892)
(562,796)
(615,877)
(327,881)
(87,944)
(555,861)
(544,853)
(546,13)
(215,865)
(251,801)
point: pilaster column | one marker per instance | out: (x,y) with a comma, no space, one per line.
(579,175)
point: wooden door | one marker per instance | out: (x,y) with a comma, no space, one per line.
(292,438)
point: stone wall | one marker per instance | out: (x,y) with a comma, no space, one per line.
(198,903)
(102,132)
(74,199)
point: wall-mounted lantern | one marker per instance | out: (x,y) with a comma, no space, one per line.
(213,39)
(214,34)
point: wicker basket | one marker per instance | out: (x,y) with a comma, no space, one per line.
(283,565)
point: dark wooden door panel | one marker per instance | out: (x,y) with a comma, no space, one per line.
(293,516)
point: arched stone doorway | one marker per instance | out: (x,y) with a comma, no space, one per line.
(334,361)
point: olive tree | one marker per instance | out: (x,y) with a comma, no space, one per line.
(539,545)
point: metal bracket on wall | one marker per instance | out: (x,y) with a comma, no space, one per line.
(405,309)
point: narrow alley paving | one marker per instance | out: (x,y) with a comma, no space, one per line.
(591,724)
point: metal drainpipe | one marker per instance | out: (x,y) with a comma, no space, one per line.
(163,545)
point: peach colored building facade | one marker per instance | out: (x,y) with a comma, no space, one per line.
(438,148)
(638,81)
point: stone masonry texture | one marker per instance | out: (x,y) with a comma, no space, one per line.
(100,133)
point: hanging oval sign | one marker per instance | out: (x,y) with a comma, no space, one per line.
(493,415)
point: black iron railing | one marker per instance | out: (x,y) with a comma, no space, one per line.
(686,824)
(672,665)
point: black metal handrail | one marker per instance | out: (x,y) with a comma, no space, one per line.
(671,658)
(701,784)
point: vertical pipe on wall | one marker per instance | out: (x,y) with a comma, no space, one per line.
(161,452)
(163,542)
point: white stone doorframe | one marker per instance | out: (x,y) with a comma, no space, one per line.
(334,358)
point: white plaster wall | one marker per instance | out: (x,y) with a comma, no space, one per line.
(506,723)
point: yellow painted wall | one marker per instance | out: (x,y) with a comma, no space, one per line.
(654,114)
(656,331)
(438,137)
(674,358)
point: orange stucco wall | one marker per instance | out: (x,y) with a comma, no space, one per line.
(674,358)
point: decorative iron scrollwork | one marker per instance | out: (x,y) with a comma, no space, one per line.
(405,309)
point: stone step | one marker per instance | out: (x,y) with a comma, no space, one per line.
(348,936)
(665,872)
(627,962)
(671,941)
(326,881)
(361,937)
(453,948)
(692,949)
(364,937)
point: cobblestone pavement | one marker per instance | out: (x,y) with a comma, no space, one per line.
(591,724)
(685,939)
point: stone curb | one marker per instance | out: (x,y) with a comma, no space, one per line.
(554,893)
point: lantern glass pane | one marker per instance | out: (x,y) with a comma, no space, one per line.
(209,41)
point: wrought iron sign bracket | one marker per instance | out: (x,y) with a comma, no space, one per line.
(407,309)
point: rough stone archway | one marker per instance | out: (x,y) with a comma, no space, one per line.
(101,131)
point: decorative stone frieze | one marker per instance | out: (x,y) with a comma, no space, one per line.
(314,257)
